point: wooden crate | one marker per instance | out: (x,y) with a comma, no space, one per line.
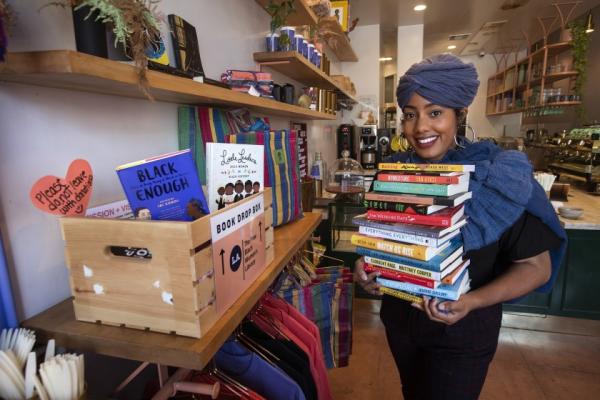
(173,292)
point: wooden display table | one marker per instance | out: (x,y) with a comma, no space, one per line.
(58,322)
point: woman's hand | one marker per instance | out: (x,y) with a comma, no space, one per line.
(446,312)
(366,281)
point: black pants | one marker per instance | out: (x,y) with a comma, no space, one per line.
(437,361)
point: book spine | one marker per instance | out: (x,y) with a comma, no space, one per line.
(441,180)
(399,207)
(401,237)
(425,167)
(407,250)
(399,198)
(399,276)
(411,188)
(401,295)
(409,262)
(391,216)
(419,272)
(406,229)
(410,287)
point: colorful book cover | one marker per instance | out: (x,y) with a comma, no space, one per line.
(185,45)
(401,295)
(426,167)
(427,189)
(450,201)
(436,264)
(233,172)
(402,237)
(419,252)
(402,277)
(418,231)
(423,209)
(455,274)
(165,187)
(446,217)
(419,272)
(447,292)
(453,179)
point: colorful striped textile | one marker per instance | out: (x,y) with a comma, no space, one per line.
(188,133)
(215,124)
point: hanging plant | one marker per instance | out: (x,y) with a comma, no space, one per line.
(7,20)
(579,44)
(279,12)
(135,27)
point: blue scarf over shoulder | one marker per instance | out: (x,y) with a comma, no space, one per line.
(503,188)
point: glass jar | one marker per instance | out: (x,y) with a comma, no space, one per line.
(346,176)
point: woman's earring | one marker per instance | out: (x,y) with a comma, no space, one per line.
(460,146)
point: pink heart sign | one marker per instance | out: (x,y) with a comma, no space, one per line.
(68,196)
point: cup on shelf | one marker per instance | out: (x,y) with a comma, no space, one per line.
(311,53)
(317,58)
(297,43)
(290,31)
(305,48)
(272,41)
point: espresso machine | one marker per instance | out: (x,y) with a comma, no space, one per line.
(368,146)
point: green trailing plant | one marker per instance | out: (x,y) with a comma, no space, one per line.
(279,11)
(579,44)
(135,27)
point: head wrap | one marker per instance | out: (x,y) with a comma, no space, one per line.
(442,79)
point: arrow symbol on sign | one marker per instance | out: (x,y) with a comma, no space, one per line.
(222,261)
(260,230)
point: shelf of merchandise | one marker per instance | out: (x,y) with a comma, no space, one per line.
(67,69)
(557,104)
(541,55)
(303,15)
(295,66)
(59,323)
(336,39)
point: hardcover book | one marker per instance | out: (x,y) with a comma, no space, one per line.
(450,201)
(446,217)
(401,295)
(420,272)
(423,209)
(447,292)
(436,264)
(419,252)
(417,231)
(451,178)
(165,187)
(403,237)
(234,171)
(428,189)
(185,45)
(402,277)
(426,167)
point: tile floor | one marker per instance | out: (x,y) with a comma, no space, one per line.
(538,357)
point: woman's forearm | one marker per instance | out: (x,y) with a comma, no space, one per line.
(522,277)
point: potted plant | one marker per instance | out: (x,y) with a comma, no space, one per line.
(579,45)
(134,25)
(279,11)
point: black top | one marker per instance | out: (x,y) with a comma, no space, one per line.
(526,238)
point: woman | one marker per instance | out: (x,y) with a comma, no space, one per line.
(513,239)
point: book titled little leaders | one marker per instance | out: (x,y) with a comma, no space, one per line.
(164,187)
(234,171)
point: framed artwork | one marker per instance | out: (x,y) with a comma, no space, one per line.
(339,9)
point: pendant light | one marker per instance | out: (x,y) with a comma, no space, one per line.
(589,24)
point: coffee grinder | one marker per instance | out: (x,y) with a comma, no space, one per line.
(346,140)
(368,146)
(384,141)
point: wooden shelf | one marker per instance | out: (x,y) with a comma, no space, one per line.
(71,70)
(304,15)
(58,322)
(559,76)
(518,110)
(294,65)
(553,49)
(337,40)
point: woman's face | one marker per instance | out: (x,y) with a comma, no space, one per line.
(429,128)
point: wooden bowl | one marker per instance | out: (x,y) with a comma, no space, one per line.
(570,212)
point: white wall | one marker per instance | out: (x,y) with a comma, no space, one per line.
(42,130)
(410,51)
(484,126)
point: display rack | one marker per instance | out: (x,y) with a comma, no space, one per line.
(303,15)
(59,322)
(295,66)
(505,88)
(336,39)
(67,69)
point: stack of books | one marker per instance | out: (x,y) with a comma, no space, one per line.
(410,234)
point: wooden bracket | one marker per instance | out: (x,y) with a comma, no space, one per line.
(546,29)
(563,19)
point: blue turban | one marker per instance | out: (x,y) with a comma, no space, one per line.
(442,79)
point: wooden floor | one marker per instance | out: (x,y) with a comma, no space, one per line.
(538,357)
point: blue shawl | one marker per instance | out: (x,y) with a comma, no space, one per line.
(503,188)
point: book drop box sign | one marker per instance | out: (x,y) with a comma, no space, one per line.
(238,249)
